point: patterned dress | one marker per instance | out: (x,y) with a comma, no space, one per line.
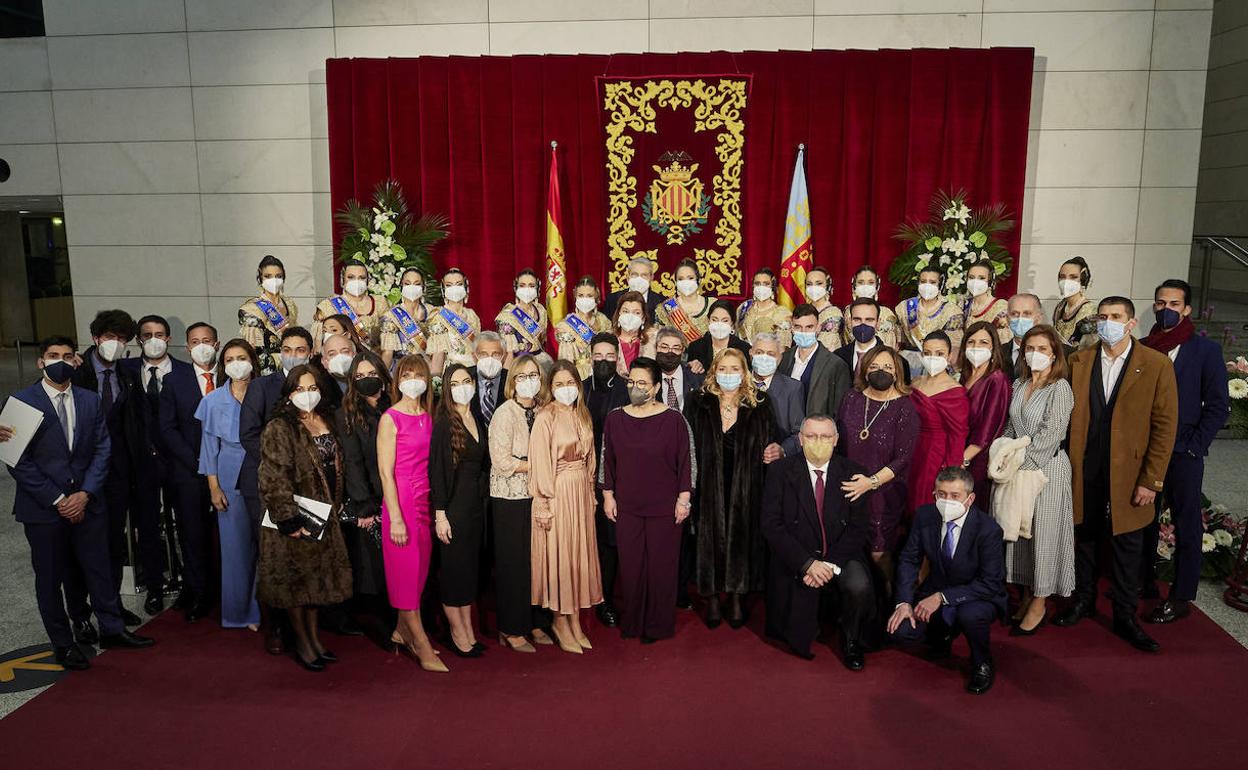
(775,319)
(570,342)
(698,321)
(1077,329)
(887,331)
(831,326)
(367,324)
(443,336)
(261,323)
(997,313)
(402,328)
(915,323)
(1046,561)
(522,333)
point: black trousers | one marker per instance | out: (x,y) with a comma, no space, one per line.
(1091,536)
(195,521)
(1184,478)
(59,548)
(152,493)
(608,554)
(116,497)
(973,619)
(513,567)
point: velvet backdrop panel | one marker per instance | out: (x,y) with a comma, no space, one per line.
(469,137)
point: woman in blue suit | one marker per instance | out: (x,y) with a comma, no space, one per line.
(220,457)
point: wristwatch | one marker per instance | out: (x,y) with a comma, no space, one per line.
(875,481)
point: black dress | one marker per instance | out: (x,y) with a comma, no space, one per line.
(459,488)
(364,494)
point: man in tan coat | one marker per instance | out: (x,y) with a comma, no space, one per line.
(1121,434)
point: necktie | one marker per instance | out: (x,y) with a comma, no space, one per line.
(63,416)
(208,384)
(761,385)
(153,382)
(487,401)
(823,532)
(671,399)
(106,392)
(949,544)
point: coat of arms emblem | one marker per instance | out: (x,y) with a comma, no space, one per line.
(676,206)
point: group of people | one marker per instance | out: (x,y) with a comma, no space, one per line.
(378,467)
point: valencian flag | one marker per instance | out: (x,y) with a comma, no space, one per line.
(797,255)
(556,260)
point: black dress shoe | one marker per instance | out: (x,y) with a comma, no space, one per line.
(803,654)
(345,627)
(125,640)
(648,639)
(198,608)
(478,646)
(327,657)
(713,616)
(1130,630)
(1169,611)
(607,615)
(129,618)
(1076,612)
(309,665)
(71,658)
(1017,628)
(981,679)
(185,599)
(155,603)
(737,615)
(471,652)
(85,633)
(853,658)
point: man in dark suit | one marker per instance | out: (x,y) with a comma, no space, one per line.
(818,544)
(864,319)
(262,398)
(964,591)
(606,391)
(825,378)
(1204,406)
(785,393)
(121,403)
(1025,312)
(640,274)
(61,478)
(678,378)
(489,375)
(181,391)
(337,353)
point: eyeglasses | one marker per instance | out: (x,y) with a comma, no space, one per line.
(639,384)
(670,349)
(528,377)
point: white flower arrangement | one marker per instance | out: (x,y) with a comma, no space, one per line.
(956,238)
(1238,388)
(1207,543)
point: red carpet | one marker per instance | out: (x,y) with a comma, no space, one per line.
(1066,698)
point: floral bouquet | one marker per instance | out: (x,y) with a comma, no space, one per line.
(1237,384)
(388,239)
(1220,543)
(953,239)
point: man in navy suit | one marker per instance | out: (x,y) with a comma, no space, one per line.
(180,393)
(640,276)
(964,591)
(788,405)
(1204,406)
(818,542)
(488,375)
(61,478)
(121,402)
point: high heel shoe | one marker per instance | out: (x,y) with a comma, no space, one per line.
(583,641)
(1018,630)
(479,647)
(327,657)
(313,665)
(409,648)
(524,645)
(541,637)
(471,652)
(568,646)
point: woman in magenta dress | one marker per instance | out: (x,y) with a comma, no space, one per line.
(989,388)
(943,409)
(406,530)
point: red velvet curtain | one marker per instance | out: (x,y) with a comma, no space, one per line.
(470,137)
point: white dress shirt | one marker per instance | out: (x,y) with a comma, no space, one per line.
(810,471)
(1015,349)
(858,352)
(1111,369)
(199,377)
(70,414)
(957,532)
(162,368)
(677,379)
(799,365)
(1174,352)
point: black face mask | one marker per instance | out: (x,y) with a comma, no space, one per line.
(58,371)
(880,379)
(604,370)
(668,362)
(368,386)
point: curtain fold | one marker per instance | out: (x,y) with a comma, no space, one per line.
(469,137)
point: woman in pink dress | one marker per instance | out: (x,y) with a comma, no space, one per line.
(989,388)
(406,530)
(943,410)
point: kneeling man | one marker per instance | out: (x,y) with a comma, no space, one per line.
(964,591)
(818,543)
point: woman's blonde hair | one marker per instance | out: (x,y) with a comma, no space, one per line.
(509,387)
(581,408)
(749,393)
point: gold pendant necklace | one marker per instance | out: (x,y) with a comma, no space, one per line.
(865,433)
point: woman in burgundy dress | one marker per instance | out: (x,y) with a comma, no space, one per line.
(989,388)
(943,410)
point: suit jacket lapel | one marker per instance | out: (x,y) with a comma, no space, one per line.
(43,403)
(805,492)
(965,534)
(1131,373)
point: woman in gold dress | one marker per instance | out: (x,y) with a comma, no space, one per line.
(819,294)
(263,318)
(522,323)
(982,305)
(1073,316)
(356,303)
(402,328)
(452,330)
(689,310)
(928,312)
(763,313)
(574,333)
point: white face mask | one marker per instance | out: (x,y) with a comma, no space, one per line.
(154,347)
(816,292)
(630,322)
(1069,287)
(638,284)
(273,285)
(978,356)
(110,350)
(762,293)
(527,388)
(238,369)
(1037,361)
(462,394)
(864,290)
(928,290)
(586,305)
(950,510)
(719,330)
(455,293)
(413,292)
(687,287)
(976,286)
(489,367)
(305,400)
(526,294)
(355,287)
(204,354)
(339,364)
(567,394)
(414,388)
(934,365)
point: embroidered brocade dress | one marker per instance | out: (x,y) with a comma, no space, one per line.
(996,313)
(775,319)
(367,324)
(571,345)
(914,323)
(1077,329)
(402,329)
(257,327)
(442,336)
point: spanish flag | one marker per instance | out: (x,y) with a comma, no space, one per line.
(556,260)
(797,256)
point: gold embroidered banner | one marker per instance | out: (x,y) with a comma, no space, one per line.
(675,156)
